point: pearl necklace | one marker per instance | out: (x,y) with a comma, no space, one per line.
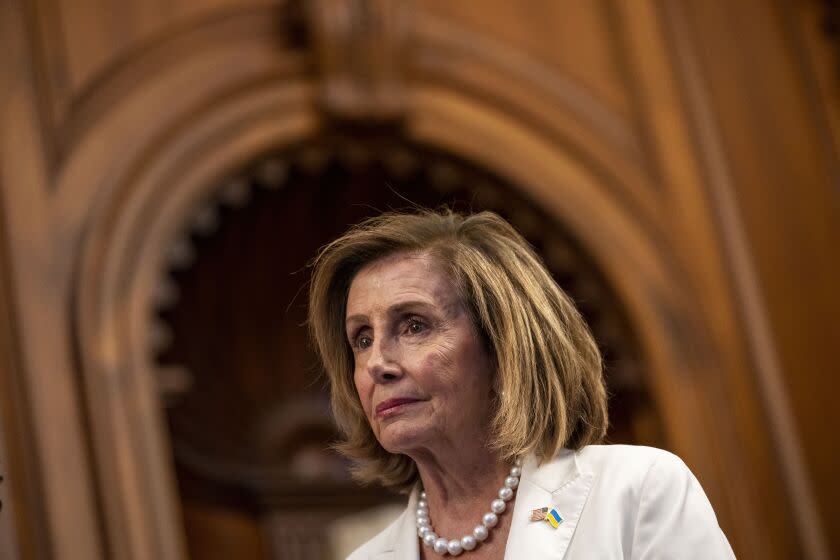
(454,547)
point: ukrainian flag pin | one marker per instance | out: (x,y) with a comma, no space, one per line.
(546,514)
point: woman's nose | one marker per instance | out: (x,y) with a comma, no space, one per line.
(382,363)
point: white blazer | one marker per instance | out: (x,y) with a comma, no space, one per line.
(616,501)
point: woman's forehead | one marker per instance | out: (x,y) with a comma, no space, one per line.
(399,278)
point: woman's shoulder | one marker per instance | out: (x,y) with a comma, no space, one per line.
(631,462)
(617,470)
(657,481)
(655,491)
(627,456)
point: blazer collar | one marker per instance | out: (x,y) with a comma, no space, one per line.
(559,484)
(401,542)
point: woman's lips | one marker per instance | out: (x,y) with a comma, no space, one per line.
(393,406)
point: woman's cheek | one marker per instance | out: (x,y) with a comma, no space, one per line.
(363,390)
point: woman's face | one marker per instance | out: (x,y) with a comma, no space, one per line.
(422,374)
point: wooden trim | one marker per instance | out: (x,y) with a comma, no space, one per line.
(55,510)
(120,261)
(779,418)
(22,517)
(814,57)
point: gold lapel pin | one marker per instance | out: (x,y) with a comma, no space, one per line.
(547,514)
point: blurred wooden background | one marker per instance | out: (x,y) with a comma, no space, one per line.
(168,168)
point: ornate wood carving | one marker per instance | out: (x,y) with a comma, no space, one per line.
(361,47)
(139,150)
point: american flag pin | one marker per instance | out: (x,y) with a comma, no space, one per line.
(547,514)
(539,514)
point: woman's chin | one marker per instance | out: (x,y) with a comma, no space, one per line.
(395,439)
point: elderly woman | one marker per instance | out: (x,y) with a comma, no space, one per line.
(462,374)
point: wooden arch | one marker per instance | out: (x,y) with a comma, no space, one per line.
(487,104)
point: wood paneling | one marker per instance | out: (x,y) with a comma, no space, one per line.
(570,37)
(783,175)
(20,500)
(81,40)
(51,466)
(693,227)
(691,147)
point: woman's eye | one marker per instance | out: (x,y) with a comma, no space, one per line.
(361,340)
(415,326)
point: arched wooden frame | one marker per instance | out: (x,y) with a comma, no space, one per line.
(574,158)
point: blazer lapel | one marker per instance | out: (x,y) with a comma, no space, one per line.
(560,485)
(401,543)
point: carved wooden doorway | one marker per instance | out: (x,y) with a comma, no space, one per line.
(247,408)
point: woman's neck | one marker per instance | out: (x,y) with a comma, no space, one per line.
(460,486)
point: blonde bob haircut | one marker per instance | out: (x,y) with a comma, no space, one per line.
(548,380)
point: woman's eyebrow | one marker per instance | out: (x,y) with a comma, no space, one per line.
(352,319)
(396,309)
(404,306)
